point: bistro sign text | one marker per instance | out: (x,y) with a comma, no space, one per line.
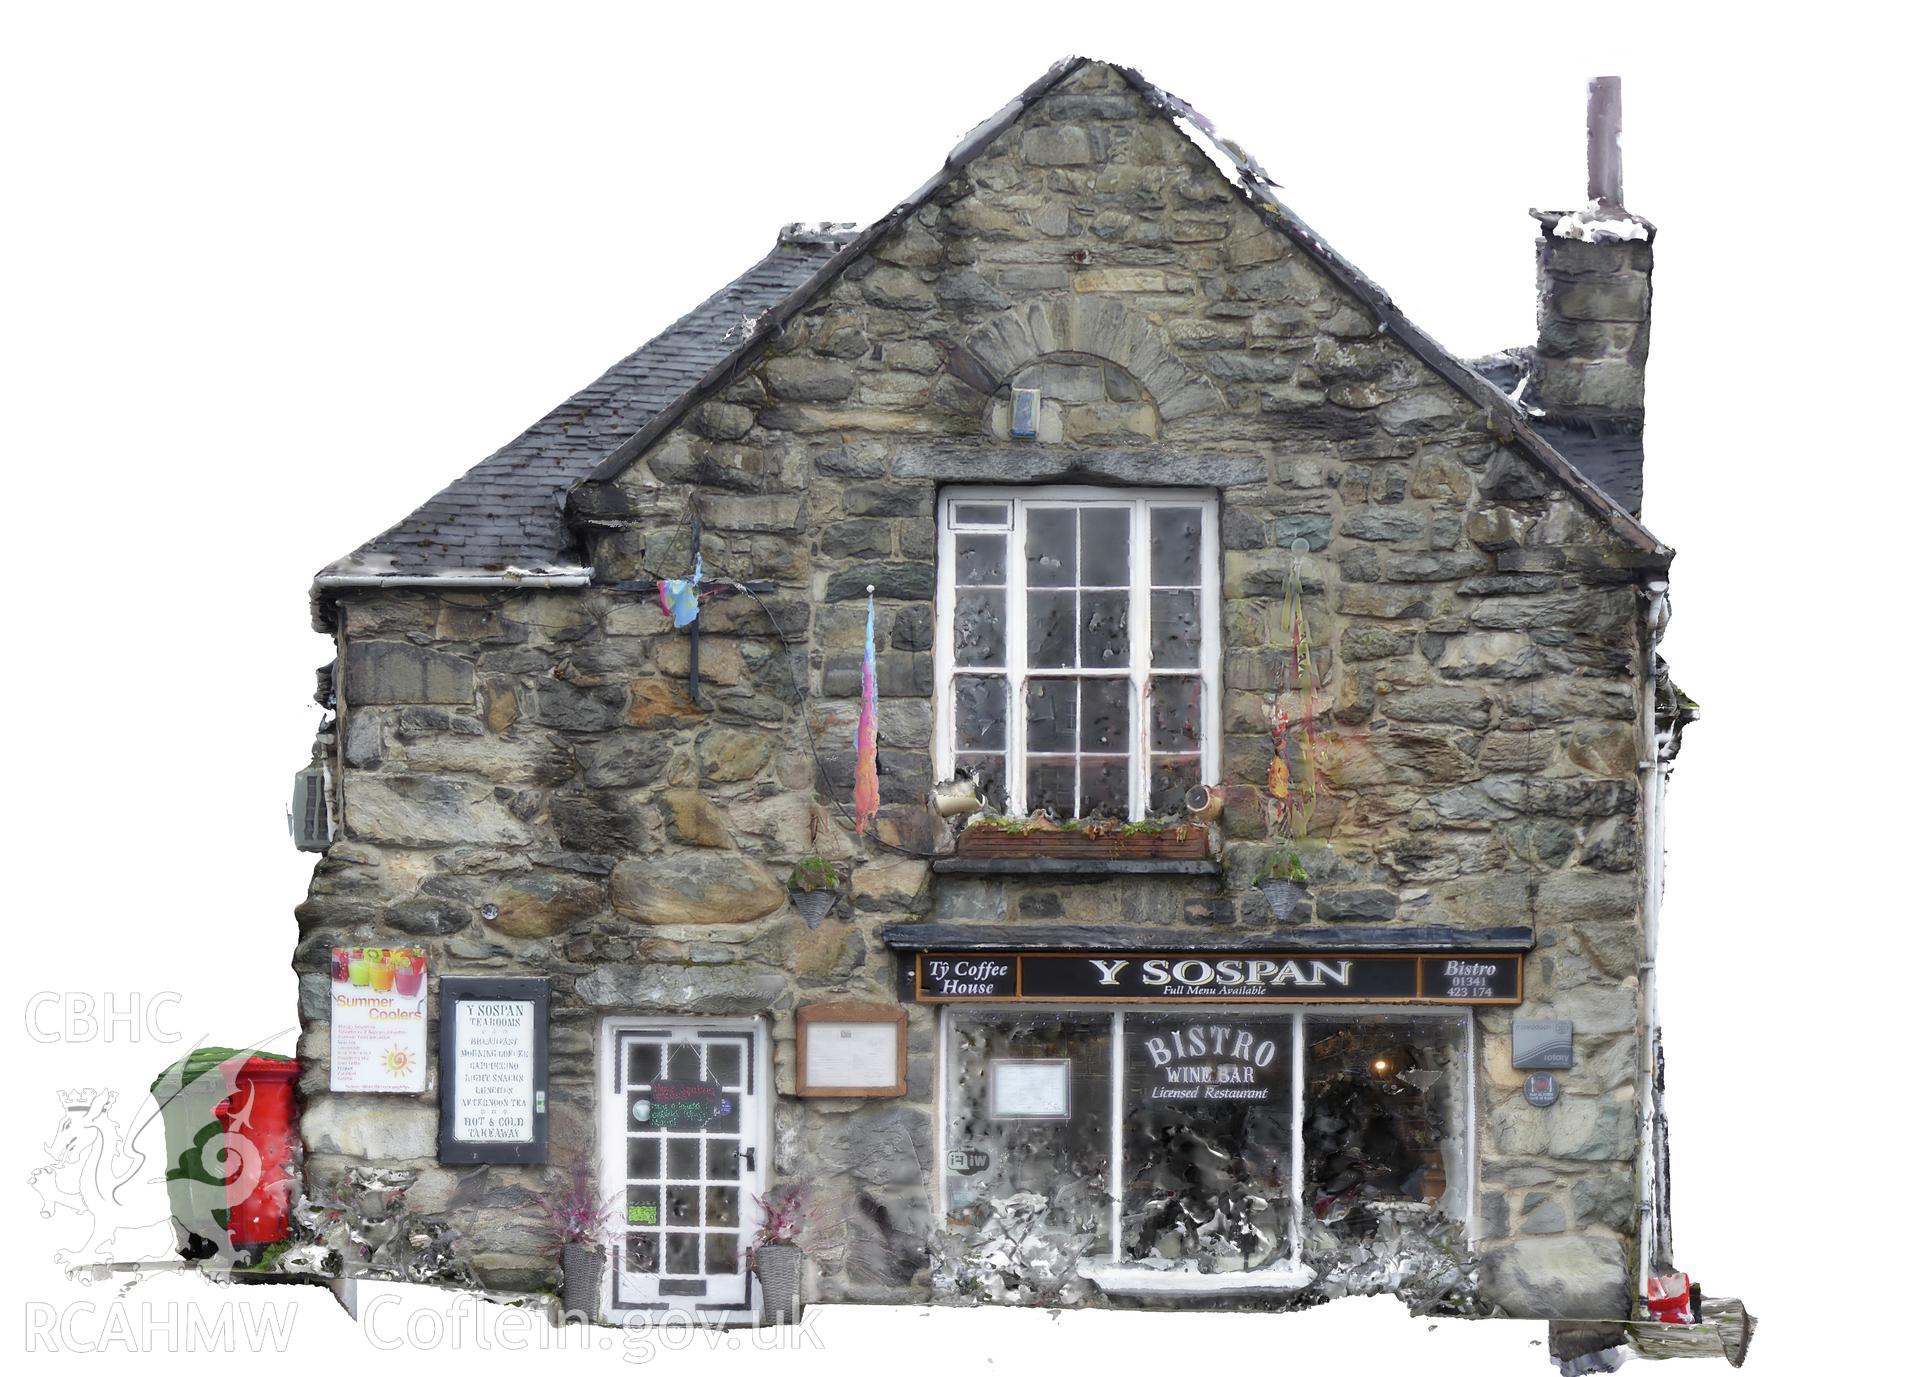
(1175,977)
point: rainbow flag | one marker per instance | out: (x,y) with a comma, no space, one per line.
(866,739)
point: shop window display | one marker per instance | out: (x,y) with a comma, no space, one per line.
(1029,1145)
(1208,1147)
(1380,1119)
(1203,1148)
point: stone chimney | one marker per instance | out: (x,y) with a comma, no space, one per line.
(1596,289)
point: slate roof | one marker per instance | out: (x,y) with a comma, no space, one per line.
(503,518)
(503,521)
(1613,459)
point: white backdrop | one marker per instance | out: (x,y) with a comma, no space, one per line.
(275,274)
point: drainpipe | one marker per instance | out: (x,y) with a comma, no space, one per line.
(1654,748)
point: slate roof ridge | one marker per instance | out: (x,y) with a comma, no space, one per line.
(1250,180)
(501,520)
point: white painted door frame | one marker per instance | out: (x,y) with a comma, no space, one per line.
(668,1284)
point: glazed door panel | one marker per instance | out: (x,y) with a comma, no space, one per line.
(685,1160)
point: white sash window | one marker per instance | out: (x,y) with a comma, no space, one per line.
(1078,648)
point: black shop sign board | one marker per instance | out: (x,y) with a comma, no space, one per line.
(1122,977)
(493,1070)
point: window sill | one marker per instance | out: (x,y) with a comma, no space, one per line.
(1071,867)
(1118,1280)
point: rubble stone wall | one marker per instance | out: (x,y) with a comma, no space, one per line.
(538,751)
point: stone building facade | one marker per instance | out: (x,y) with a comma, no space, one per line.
(525,784)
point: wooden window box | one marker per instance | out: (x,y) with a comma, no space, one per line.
(1180,843)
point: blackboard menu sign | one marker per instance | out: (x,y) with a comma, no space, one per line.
(493,1070)
(685,1106)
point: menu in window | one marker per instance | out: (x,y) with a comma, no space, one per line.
(1040,1089)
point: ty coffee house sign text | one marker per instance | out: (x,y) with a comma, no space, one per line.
(1175,977)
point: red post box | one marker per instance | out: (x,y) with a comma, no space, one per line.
(1670,1298)
(260,1110)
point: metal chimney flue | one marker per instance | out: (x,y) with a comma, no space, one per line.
(1603,141)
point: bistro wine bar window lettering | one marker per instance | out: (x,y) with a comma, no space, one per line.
(1079,647)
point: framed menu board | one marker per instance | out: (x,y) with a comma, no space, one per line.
(493,1070)
(852,1050)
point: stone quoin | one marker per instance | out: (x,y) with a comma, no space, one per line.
(1387,620)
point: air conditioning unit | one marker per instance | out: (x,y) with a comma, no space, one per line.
(309,821)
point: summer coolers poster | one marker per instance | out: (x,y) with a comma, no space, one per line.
(379,1003)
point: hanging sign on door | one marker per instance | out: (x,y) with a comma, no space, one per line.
(685,1105)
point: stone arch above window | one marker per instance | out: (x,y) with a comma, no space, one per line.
(1002,351)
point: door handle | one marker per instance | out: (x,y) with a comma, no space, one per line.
(748,1154)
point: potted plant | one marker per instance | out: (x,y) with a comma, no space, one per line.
(776,1255)
(813,886)
(580,1218)
(1283,879)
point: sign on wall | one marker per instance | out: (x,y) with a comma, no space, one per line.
(493,1070)
(377,1001)
(1542,1044)
(1226,977)
(851,1050)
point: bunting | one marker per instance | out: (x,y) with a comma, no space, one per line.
(866,741)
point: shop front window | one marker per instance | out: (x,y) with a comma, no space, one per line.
(1208,1148)
(1383,1128)
(1201,1149)
(1029,1145)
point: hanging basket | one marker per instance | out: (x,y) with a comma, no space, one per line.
(780,1268)
(1283,896)
(580,1265)
(813,904)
